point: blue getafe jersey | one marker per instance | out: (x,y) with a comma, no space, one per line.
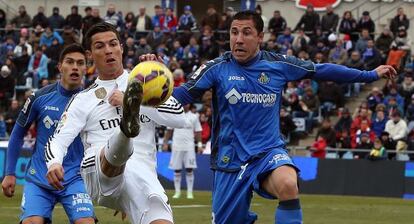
(45,108)
(246,101)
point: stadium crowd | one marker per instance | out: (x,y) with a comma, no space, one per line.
(30,47)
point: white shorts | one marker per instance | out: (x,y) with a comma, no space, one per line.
(178,158)
(137,191)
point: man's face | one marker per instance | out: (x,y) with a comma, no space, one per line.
(106,52)
(95,12)
(40,9)
(73,68)
(329,9)
(276,14)
(142,11)
(111,9)
(370,44)
(244,40)
(355,56)
(408,80)
(14,104)
(400,11)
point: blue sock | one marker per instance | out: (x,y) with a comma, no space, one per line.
(289,212)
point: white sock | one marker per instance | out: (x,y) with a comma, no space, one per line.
(119,148)
(189,177)
(177,182)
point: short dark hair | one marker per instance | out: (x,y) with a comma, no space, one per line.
(98,28)
(71,49)
(247,15)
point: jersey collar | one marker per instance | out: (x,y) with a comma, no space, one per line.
(65,92)
(251,61)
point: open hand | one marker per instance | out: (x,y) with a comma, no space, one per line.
(386,71)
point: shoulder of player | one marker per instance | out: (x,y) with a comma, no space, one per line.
(85,99)
(288,60)
(49,89)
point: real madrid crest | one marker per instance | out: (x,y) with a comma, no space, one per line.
(263,78)
(100,93)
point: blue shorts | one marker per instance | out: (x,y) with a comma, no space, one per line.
(39,201)
(232,192)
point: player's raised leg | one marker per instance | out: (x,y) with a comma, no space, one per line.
(119,147)
(282,183)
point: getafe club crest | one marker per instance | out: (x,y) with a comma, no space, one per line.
(318,5)
(263,78)
(100,93)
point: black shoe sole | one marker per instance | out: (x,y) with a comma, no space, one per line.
(132,103)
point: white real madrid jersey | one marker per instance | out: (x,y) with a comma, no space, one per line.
(183,138)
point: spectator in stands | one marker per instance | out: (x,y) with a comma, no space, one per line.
(205,121)
(169,21)
(86,19)
(410,144)
(37,68)
(259,11)
(56,21)
(48,36)
(7,84)
(364,143)
(301,41)
(155,37)
(330,96)
(329,21)
(178,52)
(366,23)
(396,127)
(158,13)
(3,130)
(40,18)
(406,89)
(212,18)
(285,41)
(225,21)
(378,123)
(318,148)
(142,23)
(371,56)
(327,132)
(318,36)
(393,93)
(348,26)
(319,47)
(344,141)
(362,42)
(364,128)
(378,151)
(187,21)
(355,61)
(363,114)
(309,21)
(277,24)
(35,36)
(21,64)
(409,114)
(400,20)
(6,49)
(388,143)
(3,21)
(129,27)
(383,43)
(344,122)
(338,55)
(22,43)
(94,19)
(22,19)
(396,56)
(179,77)
(207,48)
(143,47)
(52,53)
(74,20)
(402,41)
(286,123)
(374,98)
(69,36)
(11,115)
(309,105)
(114,18)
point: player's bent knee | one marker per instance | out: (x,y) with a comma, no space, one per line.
(159,212)
(34,220)
(287,188)
(177,171)
(189,170)
(85,221)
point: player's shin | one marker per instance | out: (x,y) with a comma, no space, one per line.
(189,177)
(177,183)
(289,212)
(119,148)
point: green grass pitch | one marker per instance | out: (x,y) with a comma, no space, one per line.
(317,209)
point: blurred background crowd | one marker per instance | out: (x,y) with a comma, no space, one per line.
(30,46)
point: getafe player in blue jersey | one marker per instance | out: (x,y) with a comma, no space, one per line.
(248,152)
(44,108)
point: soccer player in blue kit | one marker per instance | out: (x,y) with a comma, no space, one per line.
(248,153)
(44,108)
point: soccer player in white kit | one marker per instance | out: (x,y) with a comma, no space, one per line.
(183,151)
(119,162)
